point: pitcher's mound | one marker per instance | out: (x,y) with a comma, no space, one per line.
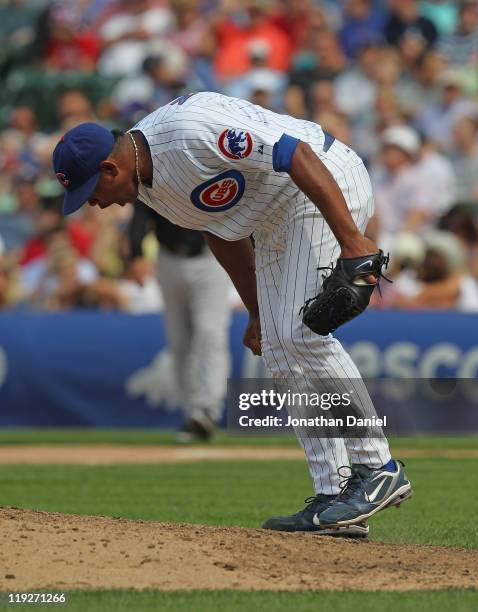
(62,551)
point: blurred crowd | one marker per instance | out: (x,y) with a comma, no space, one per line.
(395,79)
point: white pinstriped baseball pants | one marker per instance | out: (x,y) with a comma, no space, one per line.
(286,276)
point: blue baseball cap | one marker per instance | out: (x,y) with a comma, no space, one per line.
(76,162)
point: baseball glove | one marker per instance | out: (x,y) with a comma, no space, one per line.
(345,293)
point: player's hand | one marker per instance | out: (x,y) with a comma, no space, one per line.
(252,335)
(359,247)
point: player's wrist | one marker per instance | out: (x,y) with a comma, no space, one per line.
(350,240)
(357,247)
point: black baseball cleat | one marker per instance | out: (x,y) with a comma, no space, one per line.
(306,520)
(365,492)
(195,430)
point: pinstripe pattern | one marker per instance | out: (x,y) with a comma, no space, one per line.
(292,240)
(184,146)
(286,278)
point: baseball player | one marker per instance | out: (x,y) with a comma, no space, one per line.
(233,169)
(196,316)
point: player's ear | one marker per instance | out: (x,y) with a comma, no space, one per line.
(109,168)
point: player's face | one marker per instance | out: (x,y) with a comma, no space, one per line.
(115,186)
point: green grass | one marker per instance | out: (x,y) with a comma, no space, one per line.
(244,494)
(126,436)
(20,435)
(239,601)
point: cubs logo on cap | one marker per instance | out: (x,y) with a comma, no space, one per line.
(219,193)
(62,178)
(235,144)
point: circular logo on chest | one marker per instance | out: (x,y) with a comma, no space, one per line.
(235,144)
(219,193)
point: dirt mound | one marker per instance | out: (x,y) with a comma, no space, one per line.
(61,551)
(110,454)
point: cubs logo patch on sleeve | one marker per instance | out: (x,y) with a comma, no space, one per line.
(219,193)
(235,144)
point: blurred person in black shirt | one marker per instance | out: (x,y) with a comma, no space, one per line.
(197,312)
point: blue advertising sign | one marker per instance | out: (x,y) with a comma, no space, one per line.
(114,370)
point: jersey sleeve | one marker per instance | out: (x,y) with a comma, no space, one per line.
(226,141)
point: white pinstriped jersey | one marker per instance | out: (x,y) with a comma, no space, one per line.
(212,161)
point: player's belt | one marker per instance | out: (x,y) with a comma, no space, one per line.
(185,250)
(328,142)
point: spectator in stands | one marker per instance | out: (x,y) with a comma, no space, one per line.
(385,110)
(129,31)
(336,123)
(388,69)
(296,18)
(140,288)
(73,108)
(102,238)
(157,85)
(441,280)
(460,48)
(195,38)
(437,121)
(326,57)
(404,200)
(422,87)
(48,221)
(464,158)
(461,222)
(437,170)
(388,74)
(58,271)
(322,100)
(404,19)
(190,31)
(412,46)
(363,20)
(23,120)
(234,34)
(27,198)
(68,47)
(330,57)
(261,84)
(323,61)
(355,87)
(16,226)
(294,102)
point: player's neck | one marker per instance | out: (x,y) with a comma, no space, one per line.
(145,162)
